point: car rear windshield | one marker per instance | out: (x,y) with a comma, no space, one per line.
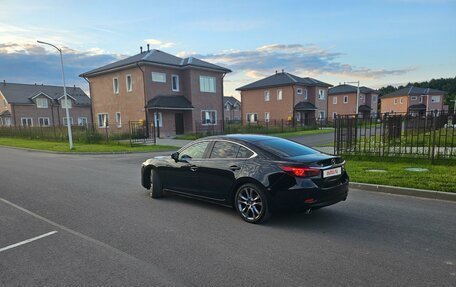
(285,148)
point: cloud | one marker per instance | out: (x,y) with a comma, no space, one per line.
(33,63)
(295,58)
(159,44)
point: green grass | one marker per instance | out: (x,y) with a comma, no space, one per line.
(282,135)
(80,147)
(303,133)
(440,177)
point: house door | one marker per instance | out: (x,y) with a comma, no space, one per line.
(179,122)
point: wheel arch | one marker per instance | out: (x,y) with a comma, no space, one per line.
(239,183)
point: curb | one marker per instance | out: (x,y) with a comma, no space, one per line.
(82,153)
(431,194)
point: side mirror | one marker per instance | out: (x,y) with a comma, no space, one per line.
(175,156)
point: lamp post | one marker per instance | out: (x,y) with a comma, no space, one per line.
(357,95)
(70,136)
(454,107)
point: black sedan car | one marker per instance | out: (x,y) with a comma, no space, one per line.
(255,174)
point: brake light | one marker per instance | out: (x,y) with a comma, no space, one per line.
(301,171)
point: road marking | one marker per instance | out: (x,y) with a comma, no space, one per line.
(27,241)
(165,274)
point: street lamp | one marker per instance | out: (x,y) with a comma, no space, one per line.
(70,137)
(357,94)
(454,107)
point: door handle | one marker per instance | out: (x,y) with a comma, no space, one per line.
(234,167)
(193,168)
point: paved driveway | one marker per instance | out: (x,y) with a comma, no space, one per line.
(100,228)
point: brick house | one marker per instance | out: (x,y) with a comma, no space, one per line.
(178,95)
(284,96)
(232,109)
(413,100)
(342,101)
(42,105)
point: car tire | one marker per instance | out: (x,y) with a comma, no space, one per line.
(252,204)
(156,189)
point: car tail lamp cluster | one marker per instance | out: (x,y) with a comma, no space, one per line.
(301,171)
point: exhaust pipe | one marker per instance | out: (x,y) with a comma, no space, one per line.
(309,211)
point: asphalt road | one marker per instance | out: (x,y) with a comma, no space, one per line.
(110,233)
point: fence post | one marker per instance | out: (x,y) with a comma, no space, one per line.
(433,139)
(282,125)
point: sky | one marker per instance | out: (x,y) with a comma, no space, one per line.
(378,43)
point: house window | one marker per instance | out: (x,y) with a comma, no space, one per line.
(159,77)
(41,103)
(321,94)
(118,120)
(252,117)
(305,94)
(129,83)
(7,122)
(345,99)
(208,118)
(65,121)
(401,100)
(361,98)
(435,99)
(322,115)
(103,120)
(298,117)
(115,85)
(27,122)
(279,94)
(44,122)
(82,121)
(421,99)
(227,107)
(374,98)
(266,117)
(335,100)
(334,115)
(266,95)
(175,83)
(66,103)
(414,98)
(207,84)
(395,101)
(299,91)
(236,107)
(158,119)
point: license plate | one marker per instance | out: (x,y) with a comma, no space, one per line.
(332,172)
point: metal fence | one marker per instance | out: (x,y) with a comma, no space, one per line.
(260,127)
(431,135)
(88,133)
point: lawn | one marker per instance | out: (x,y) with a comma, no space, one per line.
(440,177)
(80,147)
(282,135)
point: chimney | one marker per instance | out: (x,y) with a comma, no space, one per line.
(276,72)
(282,71)
(140,48)
(4,82)
(147,47)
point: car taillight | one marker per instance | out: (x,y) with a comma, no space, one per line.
(301,171)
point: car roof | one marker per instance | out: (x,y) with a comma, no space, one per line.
(241,137)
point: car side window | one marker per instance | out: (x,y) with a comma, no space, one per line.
(244,153)
(224,149)
(195,151)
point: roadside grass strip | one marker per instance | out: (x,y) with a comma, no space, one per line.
(83,148)
(404,173)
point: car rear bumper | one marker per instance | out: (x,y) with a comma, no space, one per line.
(309,198)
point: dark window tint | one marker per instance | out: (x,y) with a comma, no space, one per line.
(244,153)
(285,148)
(225,150)
(195,151)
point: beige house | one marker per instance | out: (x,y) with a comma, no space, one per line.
(414,100)
(178,95)
(42,105)
(342,101)
(284,96)
(232,109)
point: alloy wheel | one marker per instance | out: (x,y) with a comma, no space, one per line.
(250,203)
